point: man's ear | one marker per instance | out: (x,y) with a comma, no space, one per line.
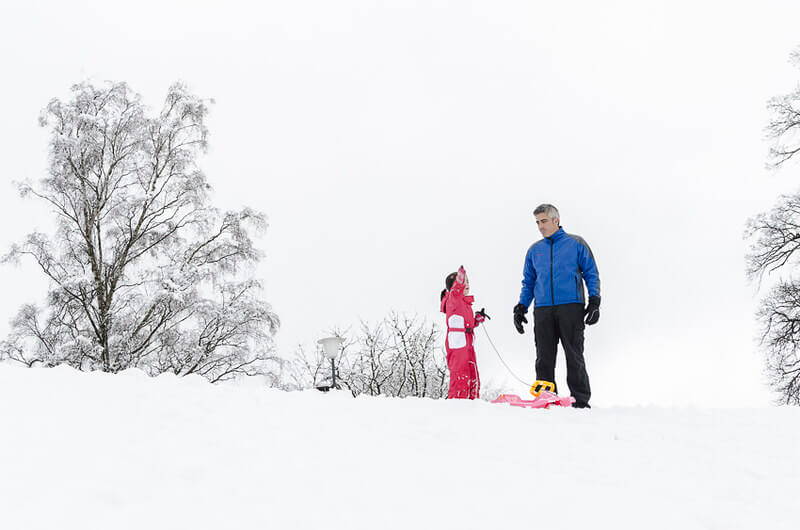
(557,221)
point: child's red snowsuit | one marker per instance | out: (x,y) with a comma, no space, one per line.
(464,380)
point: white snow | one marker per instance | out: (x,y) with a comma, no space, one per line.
(96,451)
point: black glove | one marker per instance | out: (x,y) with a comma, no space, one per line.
(592,310)
(482,313)
(519,317)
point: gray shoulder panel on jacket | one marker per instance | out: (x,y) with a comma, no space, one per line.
(583,242)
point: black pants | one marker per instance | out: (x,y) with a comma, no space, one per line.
(564,323)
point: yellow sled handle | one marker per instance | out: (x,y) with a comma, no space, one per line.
(540,386)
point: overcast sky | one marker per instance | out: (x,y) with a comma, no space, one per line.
(390,142)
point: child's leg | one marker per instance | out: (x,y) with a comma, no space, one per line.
(475,380)
(458,362)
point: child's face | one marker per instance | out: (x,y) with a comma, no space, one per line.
(466,284)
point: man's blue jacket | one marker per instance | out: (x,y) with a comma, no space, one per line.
(554,268)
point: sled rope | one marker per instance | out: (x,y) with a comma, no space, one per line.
(501,358)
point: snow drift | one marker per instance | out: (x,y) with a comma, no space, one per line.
(96,451)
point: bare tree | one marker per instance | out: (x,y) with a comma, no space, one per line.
(423,372)
(784,125)
(399,356)
(143,271)
(775,237)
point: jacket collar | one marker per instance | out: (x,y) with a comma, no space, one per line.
(558,235)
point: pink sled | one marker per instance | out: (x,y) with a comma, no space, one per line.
(544,400)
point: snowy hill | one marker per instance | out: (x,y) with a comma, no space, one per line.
(94,451)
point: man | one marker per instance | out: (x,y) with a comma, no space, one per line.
(555,268)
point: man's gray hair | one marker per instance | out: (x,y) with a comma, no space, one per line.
(549,210)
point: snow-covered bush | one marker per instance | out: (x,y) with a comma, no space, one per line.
(143,271)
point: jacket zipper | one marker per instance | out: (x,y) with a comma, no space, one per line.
(552,286)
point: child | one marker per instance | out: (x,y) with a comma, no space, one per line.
(456,304)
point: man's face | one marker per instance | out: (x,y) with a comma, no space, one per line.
(547,227)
